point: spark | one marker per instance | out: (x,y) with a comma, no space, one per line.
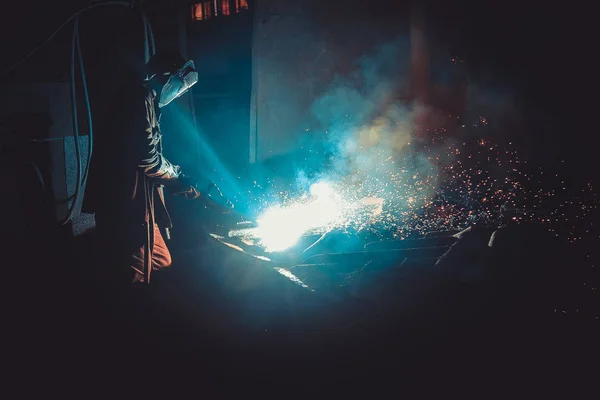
(327,207)
(435,185)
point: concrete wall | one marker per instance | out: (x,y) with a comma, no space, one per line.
(53,100)
(221,49)
(298,50)
(302,49)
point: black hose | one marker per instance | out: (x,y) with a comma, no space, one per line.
(75,125)
(89,111)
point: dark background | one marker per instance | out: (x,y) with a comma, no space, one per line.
(542,51)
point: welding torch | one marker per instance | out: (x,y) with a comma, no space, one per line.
(218,202)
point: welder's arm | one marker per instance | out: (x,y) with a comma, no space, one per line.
(158,168)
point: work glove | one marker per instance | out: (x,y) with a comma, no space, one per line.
(218,197)
(186,187)
(224,205)
(211,197)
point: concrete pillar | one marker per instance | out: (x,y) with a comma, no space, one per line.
(258,15)
(183,19)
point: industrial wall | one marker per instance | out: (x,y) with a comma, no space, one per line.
(40,87)
(305,51)
(221,49)
(299,48)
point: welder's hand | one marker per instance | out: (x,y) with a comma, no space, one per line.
(219,205)
(214,194)
(225,208)
(191,193)
(186,187)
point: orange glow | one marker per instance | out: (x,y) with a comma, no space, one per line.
(225,7)
(241,5)
(207,10)
(197,12)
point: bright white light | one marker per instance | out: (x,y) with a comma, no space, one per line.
(325,207)
(280,228)
(321,190)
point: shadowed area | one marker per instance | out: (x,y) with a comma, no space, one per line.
(413,199)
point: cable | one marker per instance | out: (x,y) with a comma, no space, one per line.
(76,47)
(90,123)
(89,111)
(149,45)
(71,18)
(82,181)
(39,175)
(75,125)
(146,42)
(151,34)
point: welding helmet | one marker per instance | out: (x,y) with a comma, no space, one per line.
(178,83)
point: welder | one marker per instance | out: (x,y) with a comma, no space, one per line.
(129,174)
